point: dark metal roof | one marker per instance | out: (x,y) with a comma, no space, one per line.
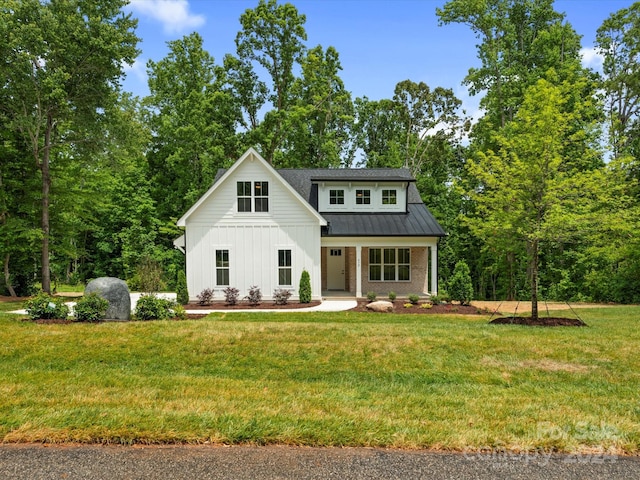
(302,179)
(417,222)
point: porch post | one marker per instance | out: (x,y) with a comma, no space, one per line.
(434,269)
(358,271)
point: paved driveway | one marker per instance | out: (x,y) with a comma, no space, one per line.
(37,462)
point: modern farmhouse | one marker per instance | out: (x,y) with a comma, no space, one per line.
(354,231)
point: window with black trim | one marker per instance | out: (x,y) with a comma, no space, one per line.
(222,267)
(284,267)
(389,264)
(336,197)
(244,196)
(363,197)
(389,197)
(259,196)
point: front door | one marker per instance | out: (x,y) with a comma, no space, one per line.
(335,269)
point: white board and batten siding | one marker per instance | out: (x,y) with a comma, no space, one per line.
(252,239)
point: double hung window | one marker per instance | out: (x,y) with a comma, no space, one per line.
(284,267)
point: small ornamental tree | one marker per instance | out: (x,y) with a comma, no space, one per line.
(461,285)
(182,293)
(304,290)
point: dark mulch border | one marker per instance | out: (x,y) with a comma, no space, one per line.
(399,307)
(541,322)
(268,305)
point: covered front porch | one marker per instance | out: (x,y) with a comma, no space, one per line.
(354,266)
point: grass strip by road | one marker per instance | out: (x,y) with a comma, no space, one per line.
(357,379)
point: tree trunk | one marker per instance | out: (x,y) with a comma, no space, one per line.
(46,186)
(534,280)
(7,277)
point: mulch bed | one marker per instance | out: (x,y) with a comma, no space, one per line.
(541,322)
(246,306)
(399,307)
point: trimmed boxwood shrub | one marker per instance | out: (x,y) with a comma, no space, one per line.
(45,306)
(151,307)
(91,308)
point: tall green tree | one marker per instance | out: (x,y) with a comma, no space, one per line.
(62,63)
(618,40)
(520,40)
(321,117)
(528,195)
(193,121)
(272,38)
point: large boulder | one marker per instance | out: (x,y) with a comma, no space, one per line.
(114,291)
(380,306)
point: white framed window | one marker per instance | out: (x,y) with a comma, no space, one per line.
(389,264)
(284,267)
(389,197)
(261,194)
(363,197)
(258,197)
(336,197)
(222,267)
(244,196)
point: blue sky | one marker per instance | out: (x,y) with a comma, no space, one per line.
(380,42)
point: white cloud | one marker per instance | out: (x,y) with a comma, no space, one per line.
(174,15)
(138,69)
(591,58)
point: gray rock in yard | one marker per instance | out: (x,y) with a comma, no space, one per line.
(380,306)
(114,291)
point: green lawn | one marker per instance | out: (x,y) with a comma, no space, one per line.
(408,381)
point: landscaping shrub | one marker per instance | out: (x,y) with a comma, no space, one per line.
(460,284)
(414,298)
(255,295)
(304,290)
(151,307)
(281,296)
(371,296)
(45,306)
(231,295)
(182,293)
(392,296)
(205,297)
(91,308)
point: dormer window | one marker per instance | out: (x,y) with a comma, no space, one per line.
(363,197)
(258,196)
(389,197)
(336,197)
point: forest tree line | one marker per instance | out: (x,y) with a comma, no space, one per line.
(540,194)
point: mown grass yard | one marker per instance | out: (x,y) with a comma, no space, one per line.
(409,381)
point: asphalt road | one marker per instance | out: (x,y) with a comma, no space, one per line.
(37,462)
